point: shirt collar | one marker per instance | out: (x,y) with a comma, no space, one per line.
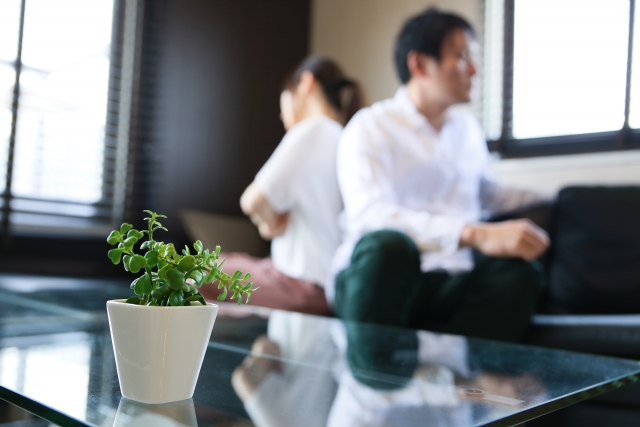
(414,117)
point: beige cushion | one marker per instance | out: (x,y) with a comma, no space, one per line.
(232,234)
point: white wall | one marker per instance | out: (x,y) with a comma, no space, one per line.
(553,173)
(360,35)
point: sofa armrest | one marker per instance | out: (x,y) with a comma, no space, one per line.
(232,234)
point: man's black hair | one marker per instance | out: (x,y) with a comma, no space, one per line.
(425,33)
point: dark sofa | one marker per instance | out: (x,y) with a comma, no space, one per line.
(592,302)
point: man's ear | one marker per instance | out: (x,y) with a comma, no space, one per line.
(418,64)
(307,80)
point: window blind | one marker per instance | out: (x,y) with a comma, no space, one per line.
(69,82)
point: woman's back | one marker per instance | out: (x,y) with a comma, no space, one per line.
(300,178)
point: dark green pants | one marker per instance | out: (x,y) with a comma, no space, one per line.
(384,285)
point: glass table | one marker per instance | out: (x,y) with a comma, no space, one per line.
(275,368)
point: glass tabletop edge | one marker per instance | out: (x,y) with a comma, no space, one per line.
(565,401)
(40,410)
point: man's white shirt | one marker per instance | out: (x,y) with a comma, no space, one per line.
(396,171)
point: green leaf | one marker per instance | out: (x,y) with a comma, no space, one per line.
(176,299)
(162,273)
(175,278)
(130,241)
(125,262)
(160,293)
(142,285)
(137,263)
(188,288)
(217,250)
(133,300)
(114,237)
(194,274)
(198,276)
(125,227)
(187,263)
(114,255)
(236,275)
(169,251)
(211,277)
(135,233)
(146,244)
(152,258)
(223,295)
(152,304)
(198,246)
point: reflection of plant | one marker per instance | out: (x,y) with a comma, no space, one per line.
(168,284)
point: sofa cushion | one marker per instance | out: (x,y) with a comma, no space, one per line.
(595,262)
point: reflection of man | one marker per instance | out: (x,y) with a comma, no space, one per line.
(414,177)
(310,371)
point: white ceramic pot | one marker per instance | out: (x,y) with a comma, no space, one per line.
(159,350)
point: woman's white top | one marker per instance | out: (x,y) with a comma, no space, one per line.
(300,178)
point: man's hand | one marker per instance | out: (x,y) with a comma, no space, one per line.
(509,239)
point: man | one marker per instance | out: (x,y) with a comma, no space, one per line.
(414,177)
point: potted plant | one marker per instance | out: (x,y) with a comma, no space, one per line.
(160,334)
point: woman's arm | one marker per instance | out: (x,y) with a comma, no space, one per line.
(256,206)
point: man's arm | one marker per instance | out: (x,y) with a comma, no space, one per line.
(496,198)
(508,239)
(255,205)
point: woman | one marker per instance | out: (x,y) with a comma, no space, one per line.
(294,200)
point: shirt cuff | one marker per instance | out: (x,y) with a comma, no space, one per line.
(446,239)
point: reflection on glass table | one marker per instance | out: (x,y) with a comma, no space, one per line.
(274,368)
(175,414)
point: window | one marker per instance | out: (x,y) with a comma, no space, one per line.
(62,80)
(560,76)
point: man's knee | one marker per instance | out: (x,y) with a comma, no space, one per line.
(388,246)
(384,268)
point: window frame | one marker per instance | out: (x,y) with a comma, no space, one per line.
(509,147)
(121,134)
